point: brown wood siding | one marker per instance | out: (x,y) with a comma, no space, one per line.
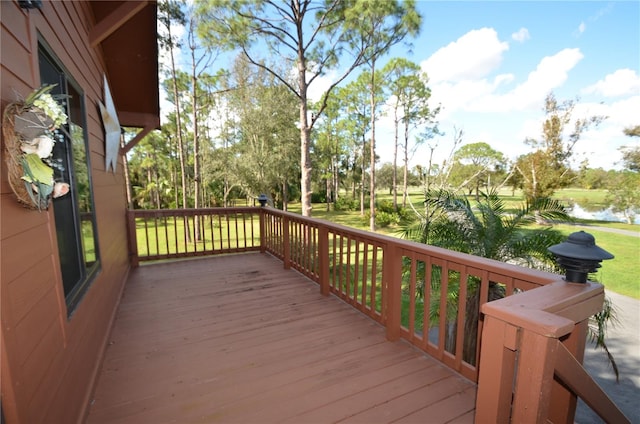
(49,362)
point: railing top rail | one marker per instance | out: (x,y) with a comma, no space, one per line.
(491,265)
(552,310)
(193,211)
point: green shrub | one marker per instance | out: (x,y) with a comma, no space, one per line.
(346,204)
(385,206)
(384,219)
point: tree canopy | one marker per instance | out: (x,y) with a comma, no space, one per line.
(546,169)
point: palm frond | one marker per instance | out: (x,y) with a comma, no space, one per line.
(598,329)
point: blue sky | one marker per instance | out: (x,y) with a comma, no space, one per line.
(491,64)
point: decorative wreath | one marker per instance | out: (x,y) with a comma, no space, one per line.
(27,127)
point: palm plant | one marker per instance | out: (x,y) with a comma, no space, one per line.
(488,229)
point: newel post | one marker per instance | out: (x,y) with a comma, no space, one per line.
(392,290)
(536,327)
(133,238)
(495,377)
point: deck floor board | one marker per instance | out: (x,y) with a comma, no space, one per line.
(238,339)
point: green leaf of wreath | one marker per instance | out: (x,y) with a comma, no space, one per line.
(37,171)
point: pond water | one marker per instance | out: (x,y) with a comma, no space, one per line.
(602,215)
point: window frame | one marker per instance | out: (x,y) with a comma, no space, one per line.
(75,281)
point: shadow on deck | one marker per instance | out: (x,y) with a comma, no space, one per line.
(239,339)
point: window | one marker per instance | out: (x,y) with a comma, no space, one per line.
(74,213)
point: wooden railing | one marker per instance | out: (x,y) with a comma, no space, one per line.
(429,296)
(181,233)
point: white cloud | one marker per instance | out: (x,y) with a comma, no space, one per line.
(521,36)
(472,56)
(461,75)
(551,73)
(581,28)
(622,82)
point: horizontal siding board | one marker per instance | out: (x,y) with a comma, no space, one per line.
(34,327)
(17,219)
(39,368)
(16,60)
(14,23)
(21,251)
(23,293)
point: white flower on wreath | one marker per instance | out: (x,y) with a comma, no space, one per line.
(42,146)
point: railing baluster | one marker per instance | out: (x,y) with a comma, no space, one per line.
(244,230)
(323,259)
(412,298)
(374,279)
(155,224)
(444,291)
(356,273)
(211,233)
(462,318)
(334,255)
(235,220)
(365,275)
(341,284)
(426,321)
(146,235)
(286,247)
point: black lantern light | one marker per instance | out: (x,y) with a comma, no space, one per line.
(579,256)
(263,200)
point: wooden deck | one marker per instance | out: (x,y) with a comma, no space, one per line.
(238,339)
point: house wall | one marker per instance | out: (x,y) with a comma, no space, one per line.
(49,361)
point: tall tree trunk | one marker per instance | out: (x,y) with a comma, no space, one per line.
(328,192)
(285,195)
(405,180)
(335,176)
(362,176)
(305,137)
(372,149)
(181,150)
(395,158)
(156,191)
(196,143)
